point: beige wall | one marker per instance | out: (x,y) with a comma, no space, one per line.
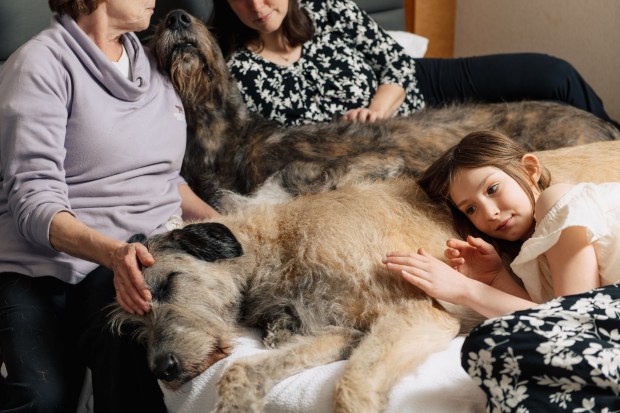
(584,32)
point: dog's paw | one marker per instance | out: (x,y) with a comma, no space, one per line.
(221,408)
(281,329)
(274,338)
(241,390)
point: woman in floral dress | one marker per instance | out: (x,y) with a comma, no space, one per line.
(306,61)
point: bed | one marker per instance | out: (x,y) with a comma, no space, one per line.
(440,385)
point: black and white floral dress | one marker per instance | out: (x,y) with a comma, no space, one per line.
(563,355)
(339,69)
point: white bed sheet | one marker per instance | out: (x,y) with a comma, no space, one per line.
(438,386)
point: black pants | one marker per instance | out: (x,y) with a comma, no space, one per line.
(504,78)
(49,332)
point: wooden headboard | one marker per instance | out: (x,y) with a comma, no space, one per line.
(433,19)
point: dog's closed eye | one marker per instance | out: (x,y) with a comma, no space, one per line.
(162,292)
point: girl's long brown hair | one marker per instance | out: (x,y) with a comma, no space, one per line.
(479,149)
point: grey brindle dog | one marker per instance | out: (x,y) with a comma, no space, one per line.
(231,149)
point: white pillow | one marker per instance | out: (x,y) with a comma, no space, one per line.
(415,45)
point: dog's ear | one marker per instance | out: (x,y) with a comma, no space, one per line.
(140,238)
(209,241)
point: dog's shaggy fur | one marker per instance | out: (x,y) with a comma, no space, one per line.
(229,148)
(308,273)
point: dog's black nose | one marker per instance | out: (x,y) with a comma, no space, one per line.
(166,367)
(178,19)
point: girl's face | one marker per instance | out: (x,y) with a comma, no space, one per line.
(494,202)
(264,16)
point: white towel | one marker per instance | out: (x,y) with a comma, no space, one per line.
(438,386)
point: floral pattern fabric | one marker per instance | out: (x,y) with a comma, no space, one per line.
(339,69)
(561,356)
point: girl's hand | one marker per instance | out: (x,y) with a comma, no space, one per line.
(131,291)
(475,258)
(431,275)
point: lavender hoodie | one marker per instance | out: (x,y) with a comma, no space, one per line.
(77,136)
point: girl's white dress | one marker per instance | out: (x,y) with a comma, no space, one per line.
(593,206)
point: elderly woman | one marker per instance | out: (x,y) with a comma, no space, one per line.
(91,143)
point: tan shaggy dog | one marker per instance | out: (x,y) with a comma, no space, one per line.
(308,273)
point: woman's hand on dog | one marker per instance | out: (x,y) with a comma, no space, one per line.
(131,291)
(363,115)
(71,236)
(383,105)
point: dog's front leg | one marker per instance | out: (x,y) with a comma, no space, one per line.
(243,387)
(398,341)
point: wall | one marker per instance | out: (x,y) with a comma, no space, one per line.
(585,33)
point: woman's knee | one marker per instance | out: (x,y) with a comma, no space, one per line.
(555,72)
(49,394)
(57,396)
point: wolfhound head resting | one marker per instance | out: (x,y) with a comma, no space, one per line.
(197,257)
(186,50)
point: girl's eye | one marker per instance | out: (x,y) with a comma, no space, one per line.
(470,210)
(492,189)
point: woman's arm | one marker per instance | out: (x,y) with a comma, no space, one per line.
(394,69)
(193,207)
(67,234)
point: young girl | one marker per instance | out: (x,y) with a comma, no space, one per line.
(562,355)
